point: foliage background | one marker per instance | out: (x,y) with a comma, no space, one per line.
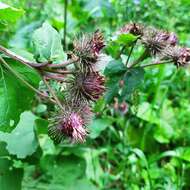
(145,148)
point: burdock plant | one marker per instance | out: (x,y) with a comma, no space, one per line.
(84,85)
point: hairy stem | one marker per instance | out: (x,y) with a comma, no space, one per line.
(23,81)
(52,93)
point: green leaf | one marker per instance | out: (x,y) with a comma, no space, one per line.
(112,88)
(21,141)
(126,39)
(10,179)
(47,42)
(98,125)
(93,168)
(146,113)
(9,15)
(114,67)
(133,78)
(15,97)
(163,132)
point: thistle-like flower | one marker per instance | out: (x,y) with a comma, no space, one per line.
(132,28)
(87,48)
(71,125)
(155,40)
(87,86)
(180,56)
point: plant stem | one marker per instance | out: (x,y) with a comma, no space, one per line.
(52,93)
(131,50)
(25,82)
(55,77)
(156,63)
(21,59)
(58,71)
(64,64)
(143,56)
(65,24)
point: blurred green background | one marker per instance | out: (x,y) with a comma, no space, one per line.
(148,147)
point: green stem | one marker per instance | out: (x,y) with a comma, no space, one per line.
(65,23)
(143,56)
(154,64)
(131,50)
(52,93)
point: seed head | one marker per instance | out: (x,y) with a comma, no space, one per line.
(71,124)
(179,55)
(87,48)
(86,87)
(132,28)
(155,40)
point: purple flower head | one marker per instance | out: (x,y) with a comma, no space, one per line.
(93,85)
(87,87)
(132,28)
(172,40)
(88,48)
(71,125)
(97,42)
(180,56)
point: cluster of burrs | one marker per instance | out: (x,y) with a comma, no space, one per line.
(160,44)
(84,86)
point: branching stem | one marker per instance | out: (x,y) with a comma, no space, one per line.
(52,93)
(24,81)
(156,63)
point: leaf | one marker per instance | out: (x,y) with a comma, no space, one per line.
(8,14)
(93,168)
(126,39)
(47,43)
(10,179)
(21,141)
(71,170)
(163,132)
(133,79)
(114,67)
(15,97)
(112,88)
(98,125)
(146,113)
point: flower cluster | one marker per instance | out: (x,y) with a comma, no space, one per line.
(159,43)
(86,85)
(72,124)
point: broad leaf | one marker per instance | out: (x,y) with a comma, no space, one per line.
(126,39)
(10,179)
(112,88)
(8,14)
(133,78)
(98,125)
(47,43)
(21,141)
(15,97)
(114,67)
